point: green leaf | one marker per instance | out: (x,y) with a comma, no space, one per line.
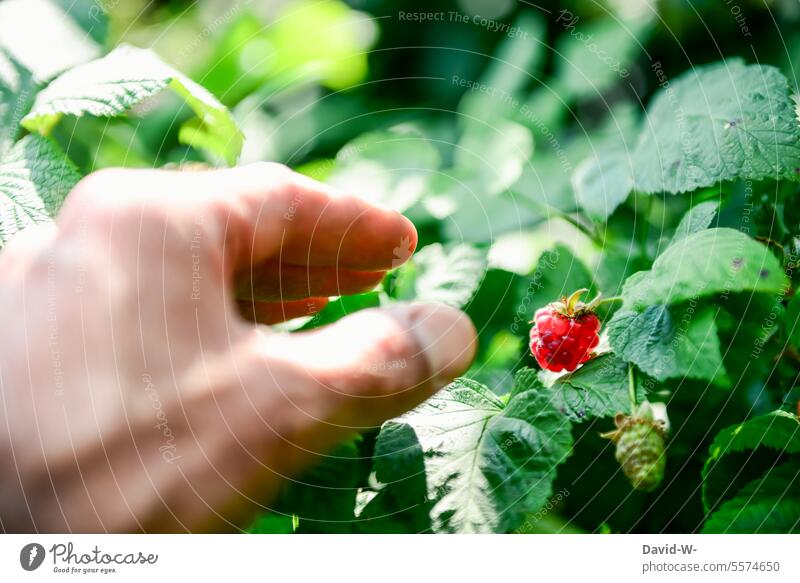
(90,15)
(485,465)
(777,430)
(792,320)
(599,388)
(746,450)
(719,122)
(399,504)
(682,344)
(446,275)
(17,90)
(591,59)
(109,86)
(558,273)
(323,498)
(696,219)
(44,37)
(35,176)
(341,307)
(546,182)
(519,57)
(603,181)
(469,214)
(392,167)
(703,264)
(769,504)
(497,152)
(272,523)
(527,379)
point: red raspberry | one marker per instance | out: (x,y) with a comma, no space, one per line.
(564,334)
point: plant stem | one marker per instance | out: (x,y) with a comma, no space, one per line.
(588,231)
(551,211)
(608,300)
(631,388)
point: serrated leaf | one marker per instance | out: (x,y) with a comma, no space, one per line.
(703,264)
(391,167)
(696,219)
(769,504)
(599,388)
(17,90)
(445,275)
(125,77)
(603,181)
(719,122)
(739,453)
(777,430)
(35,177)
(526,379)
(485,465)
(665,346)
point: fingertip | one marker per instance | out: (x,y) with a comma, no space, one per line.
(446,336)
(395,237)
(411,235)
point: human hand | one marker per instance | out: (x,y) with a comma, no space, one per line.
(136,396)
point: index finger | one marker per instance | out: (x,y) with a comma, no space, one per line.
(273,212)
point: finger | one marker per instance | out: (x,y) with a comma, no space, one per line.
(376,364)
(293,397)
(25,245)
(274,312)
(322,226)
(257,212)
(274,281)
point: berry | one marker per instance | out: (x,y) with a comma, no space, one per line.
(564,334)
(640,444)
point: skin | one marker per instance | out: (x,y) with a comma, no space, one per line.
(138,394)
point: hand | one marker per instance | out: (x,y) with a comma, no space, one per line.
(136,396)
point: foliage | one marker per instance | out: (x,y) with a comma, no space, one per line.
(606,163)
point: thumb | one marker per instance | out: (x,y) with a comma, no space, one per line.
(378,363)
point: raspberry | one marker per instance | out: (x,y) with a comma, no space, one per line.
(640,444)
(564,334)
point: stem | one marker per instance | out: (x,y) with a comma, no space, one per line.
(599,300)
(554,212)
(588,231)
(609,300)
(631,388)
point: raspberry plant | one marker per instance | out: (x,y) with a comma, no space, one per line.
(685,213)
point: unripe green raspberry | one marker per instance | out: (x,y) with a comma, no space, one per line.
(640,452)
(640,448)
